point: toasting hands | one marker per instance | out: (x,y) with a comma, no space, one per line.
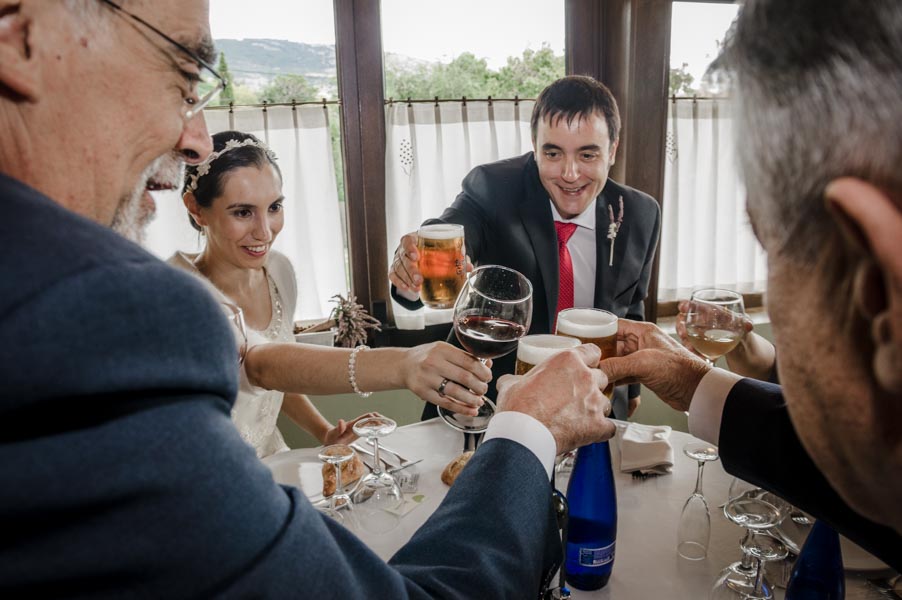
(564,393)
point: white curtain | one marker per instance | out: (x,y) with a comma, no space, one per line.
(706,238)
(312,237)
(430,147)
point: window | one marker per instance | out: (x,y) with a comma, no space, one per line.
(706,238)
(282,87)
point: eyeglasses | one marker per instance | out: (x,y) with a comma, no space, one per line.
(205,84)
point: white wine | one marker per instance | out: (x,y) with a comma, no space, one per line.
(713,343)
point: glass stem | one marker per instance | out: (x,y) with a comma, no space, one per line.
(698,478)
(377,465)
(747,563)
(759,578)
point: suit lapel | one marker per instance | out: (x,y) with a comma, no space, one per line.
(536,216)
(607,276)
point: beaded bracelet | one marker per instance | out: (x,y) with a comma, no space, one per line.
(352,371)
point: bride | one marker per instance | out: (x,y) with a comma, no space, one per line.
(235,200)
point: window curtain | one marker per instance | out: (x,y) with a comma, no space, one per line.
(706,238)
(430,147)
(312,237)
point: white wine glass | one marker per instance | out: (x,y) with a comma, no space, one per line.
(378,492)
(694,529)
(715,323)
(339,502)
(235,316)
(492,312)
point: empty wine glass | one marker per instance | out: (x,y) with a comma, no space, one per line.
(236,318)
(377,492)
(493,311)
(336,455)
(694,528)
(756,510)
(715,322)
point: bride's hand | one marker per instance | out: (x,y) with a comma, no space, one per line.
(426,367)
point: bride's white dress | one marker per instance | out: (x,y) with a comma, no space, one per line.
(256,410)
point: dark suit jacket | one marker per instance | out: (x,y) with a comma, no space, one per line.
(759,444)
(507,218)
(123,476)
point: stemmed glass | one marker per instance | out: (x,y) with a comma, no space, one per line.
(694,529)
(757,511)
(235,316)
(336,455)
(492,312)
(715,322)
(378,491)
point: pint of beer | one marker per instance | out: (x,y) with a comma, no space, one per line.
(591,326)
(442,263)
(533,349)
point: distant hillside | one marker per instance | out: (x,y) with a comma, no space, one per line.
(254,62)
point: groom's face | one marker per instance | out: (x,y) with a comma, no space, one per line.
(574,159)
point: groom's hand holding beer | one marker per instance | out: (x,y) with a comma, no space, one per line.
(405,271)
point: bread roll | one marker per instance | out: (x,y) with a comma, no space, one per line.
(351,471)
(449,475)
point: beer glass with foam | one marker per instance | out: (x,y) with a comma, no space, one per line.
(442,263)
(591,326)
(533,349)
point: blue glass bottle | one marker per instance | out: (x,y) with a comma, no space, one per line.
(592,527)
(818,572)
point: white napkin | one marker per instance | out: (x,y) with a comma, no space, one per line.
(645,448)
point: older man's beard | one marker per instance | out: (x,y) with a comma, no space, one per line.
(136,210)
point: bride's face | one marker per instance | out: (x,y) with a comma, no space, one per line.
(243,222)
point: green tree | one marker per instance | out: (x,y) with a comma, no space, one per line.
(527,75)
(227,94)
(285,88)
(681,82)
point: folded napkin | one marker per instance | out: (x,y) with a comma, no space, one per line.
(645,448)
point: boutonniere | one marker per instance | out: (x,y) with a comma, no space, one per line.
(614,228)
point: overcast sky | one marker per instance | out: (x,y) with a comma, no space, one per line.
(443,29)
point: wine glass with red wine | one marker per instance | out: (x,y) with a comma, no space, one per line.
(492,312)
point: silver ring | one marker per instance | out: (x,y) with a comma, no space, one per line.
(441,387)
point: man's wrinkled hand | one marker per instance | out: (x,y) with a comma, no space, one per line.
(564,393)
(647,355)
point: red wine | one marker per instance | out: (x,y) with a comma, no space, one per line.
(488,337)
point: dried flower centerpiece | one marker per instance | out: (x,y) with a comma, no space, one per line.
(353,322)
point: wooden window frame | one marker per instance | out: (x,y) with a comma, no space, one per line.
(623,43)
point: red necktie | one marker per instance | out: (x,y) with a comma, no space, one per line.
(565,281)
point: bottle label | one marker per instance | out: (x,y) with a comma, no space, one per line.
(596,557)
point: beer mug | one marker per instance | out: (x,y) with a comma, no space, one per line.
(442,263)
(533,349)
(591,326)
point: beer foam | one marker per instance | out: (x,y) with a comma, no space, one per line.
(587,323)
(533,349)
(445,231)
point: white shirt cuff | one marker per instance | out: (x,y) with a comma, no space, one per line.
(706,409)
(527,431)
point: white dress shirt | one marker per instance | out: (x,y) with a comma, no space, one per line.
(706,410)
(582,253)
(527,431)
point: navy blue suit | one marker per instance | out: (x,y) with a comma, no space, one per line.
(123,476)
(759,444)
(507,221)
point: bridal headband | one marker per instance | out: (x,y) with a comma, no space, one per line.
(204,167)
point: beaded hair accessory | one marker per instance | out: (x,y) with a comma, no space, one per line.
(204,167)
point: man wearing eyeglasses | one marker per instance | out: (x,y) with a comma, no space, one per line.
(122,473)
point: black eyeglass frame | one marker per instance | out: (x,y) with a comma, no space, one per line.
(197,105)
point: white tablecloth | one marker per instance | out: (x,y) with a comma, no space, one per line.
(646,563)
